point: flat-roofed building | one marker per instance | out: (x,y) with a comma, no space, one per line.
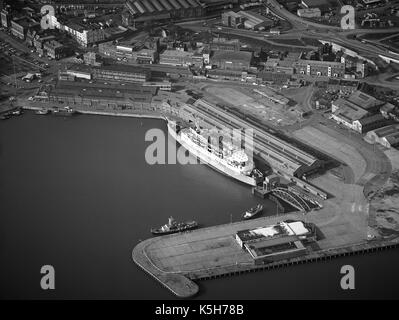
(115,73)
(176,58)
(121,73)
(237,60)
(276,242)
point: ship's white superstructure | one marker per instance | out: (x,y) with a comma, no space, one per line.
(223,156)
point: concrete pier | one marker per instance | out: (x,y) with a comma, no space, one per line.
(176,261)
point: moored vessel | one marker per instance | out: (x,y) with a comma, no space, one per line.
(222,155)
(172,227)
(66,111)
(252,212)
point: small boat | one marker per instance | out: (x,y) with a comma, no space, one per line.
(67,111)
(42,111)
(172,227)
(16,112)
(252,212)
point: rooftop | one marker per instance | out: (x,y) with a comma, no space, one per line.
(349,110)
(232,55)
(364,100)
(371,119)
(386,131)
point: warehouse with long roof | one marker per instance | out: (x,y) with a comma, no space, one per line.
(161,9)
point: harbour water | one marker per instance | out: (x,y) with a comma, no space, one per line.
(76,193)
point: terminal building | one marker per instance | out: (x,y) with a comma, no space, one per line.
(284,240)
(102,96)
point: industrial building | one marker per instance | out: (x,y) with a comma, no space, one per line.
(163,9)
(229,60)
(116,73)
(255,21)
(246,19)
(386,136)
(347,113)
(365,101)
(102,96)
(181,58)
(320,68)
(231,19)
(271,243)
(126,54)
(369,123)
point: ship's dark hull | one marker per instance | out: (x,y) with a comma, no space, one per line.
(177,230)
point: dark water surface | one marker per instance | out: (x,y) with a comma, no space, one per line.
(78,194)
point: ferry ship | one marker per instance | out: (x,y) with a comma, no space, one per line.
(224,157)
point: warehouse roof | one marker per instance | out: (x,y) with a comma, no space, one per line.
(386,131)
(348,110)
(364,100)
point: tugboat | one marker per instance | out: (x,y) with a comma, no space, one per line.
(252,212)
(172,227)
